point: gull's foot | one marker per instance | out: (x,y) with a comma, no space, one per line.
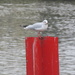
(41,37)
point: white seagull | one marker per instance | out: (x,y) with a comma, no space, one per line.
(39,27)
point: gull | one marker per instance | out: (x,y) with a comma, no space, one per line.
(39,26)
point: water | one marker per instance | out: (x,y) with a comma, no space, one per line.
(61,17)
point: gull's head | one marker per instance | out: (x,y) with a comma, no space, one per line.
(45,21)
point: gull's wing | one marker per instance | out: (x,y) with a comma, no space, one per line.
(34,26)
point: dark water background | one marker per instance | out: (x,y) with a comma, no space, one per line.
(61,17)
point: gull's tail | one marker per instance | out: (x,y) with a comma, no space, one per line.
(27,26)
(24,26)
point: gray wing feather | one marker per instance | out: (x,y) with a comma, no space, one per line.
(34,26)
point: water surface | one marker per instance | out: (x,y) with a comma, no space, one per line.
(61,17)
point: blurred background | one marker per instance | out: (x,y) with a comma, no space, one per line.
(13,13)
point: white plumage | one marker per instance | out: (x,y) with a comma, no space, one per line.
(40,26)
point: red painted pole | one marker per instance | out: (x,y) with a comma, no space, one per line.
(42,56)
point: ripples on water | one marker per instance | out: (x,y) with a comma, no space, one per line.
(61,24)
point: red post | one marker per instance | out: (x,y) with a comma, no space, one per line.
(42,56)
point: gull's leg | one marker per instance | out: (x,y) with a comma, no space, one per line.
(39,35)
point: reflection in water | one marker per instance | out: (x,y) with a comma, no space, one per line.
(61,24)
